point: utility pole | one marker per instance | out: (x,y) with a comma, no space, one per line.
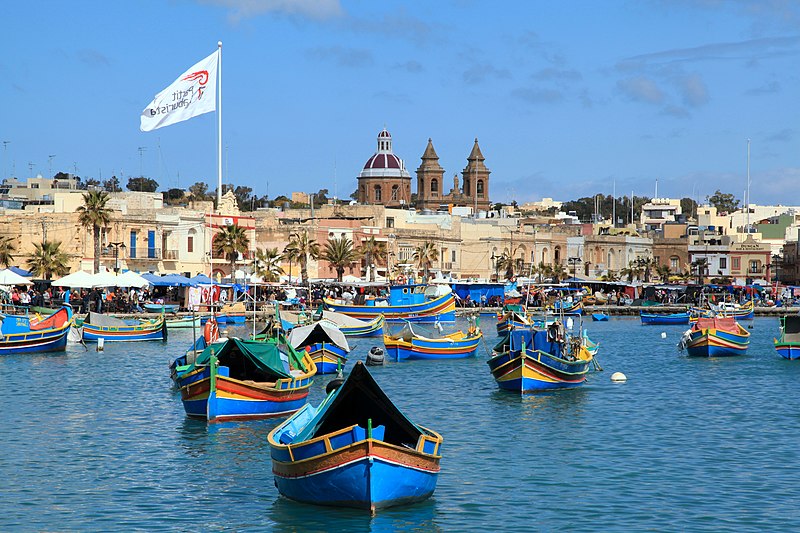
(30,169)
(5,158)
(141,149)
(50,165)
(748,186)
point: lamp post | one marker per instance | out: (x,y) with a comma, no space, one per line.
(574,261)
(117,246)
(494,264)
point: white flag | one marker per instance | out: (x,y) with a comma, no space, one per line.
(192,94)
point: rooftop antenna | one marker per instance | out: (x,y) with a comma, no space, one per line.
(614,204)
(5,158)
(747,200)
(142,150)
(50,164)
(30,168)
(656,196)
(335,197)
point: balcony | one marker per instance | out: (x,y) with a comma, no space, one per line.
(170,255)
(144,254)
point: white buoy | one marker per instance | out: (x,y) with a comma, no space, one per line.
(663,334)
(619,377)
(570,322)
(100,344)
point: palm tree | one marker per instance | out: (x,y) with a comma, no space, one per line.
(300,248)
(559,272)
(266,264)
(504,262)
(340,254)
(6,247)
(373,251)
(424,255)
(610,276)
(94,214)
(545,271)
(701,264)
(48,260)
(229,243)
(663,272)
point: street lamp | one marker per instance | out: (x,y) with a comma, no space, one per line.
(494,259)
(117,246)
(574,261)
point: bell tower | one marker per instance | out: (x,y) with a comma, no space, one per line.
(430,175)
(475,177)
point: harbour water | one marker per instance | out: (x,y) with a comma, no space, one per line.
(99,441)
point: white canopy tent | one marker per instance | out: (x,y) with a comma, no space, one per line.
(9,277)
(77,280)
(126,279)
(132,279)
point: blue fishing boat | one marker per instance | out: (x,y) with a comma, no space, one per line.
(111,329)
(241,380)
(354,327)
(410,344)
(600,317)
(234,313)
(35,334)
(567,308)
(746,311)
(788,345)
(513,316)
(715,337)
(323,341)
(664,319)
(158,308)
(415,303)
(535,360)
(356,449)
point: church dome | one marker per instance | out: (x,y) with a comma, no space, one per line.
(384,163)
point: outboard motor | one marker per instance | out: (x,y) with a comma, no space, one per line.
(375,357)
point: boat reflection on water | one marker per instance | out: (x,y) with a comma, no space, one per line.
(555,403)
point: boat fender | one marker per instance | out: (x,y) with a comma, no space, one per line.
(211,331)
(618,377)
(375,357)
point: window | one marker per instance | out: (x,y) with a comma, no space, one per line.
(723,262)
(674,263)
(190,244)
(479,188)
(466,187)
(735,265)
(453,257)
(395,188)
(378,193)
(755,266)
(389,222)
(434,186)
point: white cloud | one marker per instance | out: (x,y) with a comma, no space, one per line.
(243,9)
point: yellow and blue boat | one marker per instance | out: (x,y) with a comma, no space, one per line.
(98,326)
(788,346)
(409,344)
(513,316)
(732,310)
(567,308)
(715,337)
(323,341)
(354,327)
(242,380)
(35,334)
(535,360)
(356,449)
(415,303)
(664,319)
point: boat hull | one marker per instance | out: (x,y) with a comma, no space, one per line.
(327,357)
(231,319)
(54,340)
(184,323)
(442,309)
(400,350)
(788,350)
(534,370)
(372,328)
(716,343)
(155,332)
(664,320)
(368,475)
(223,398)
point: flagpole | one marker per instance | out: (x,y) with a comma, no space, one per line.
(219,127)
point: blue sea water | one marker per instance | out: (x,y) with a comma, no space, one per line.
(99,441)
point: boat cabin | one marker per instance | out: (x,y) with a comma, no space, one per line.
(400,295)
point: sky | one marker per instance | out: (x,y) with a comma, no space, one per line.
(567,99)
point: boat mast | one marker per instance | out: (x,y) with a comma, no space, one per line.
(747,200)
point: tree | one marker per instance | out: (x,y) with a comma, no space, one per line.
(505,262)
(300,248)
(424,256)
(354,195)
(229,243)
(89,183)
(266,264)
(244,197)
(173,196)
(112,185)
(198,191)
(700,266)
(559,273)
(663,272)
(6,248)
(688,207)
(48,260)
(373,251)
(340,254)
(94,214)
(724,202)
(321,197)
(142,184)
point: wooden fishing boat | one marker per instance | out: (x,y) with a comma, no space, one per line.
(536,360)
(715,337)
(323,341)
(699,312)
(567,308)
(739,312)
(664,319)
(27,334)
(354,327)
(512,317)
(234,313)
(410,344)
(788,346)
(600,317)
(184,322)
(415,303)
(356,449)
(98,326)
(158,308)
(591,346)
(239,380)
